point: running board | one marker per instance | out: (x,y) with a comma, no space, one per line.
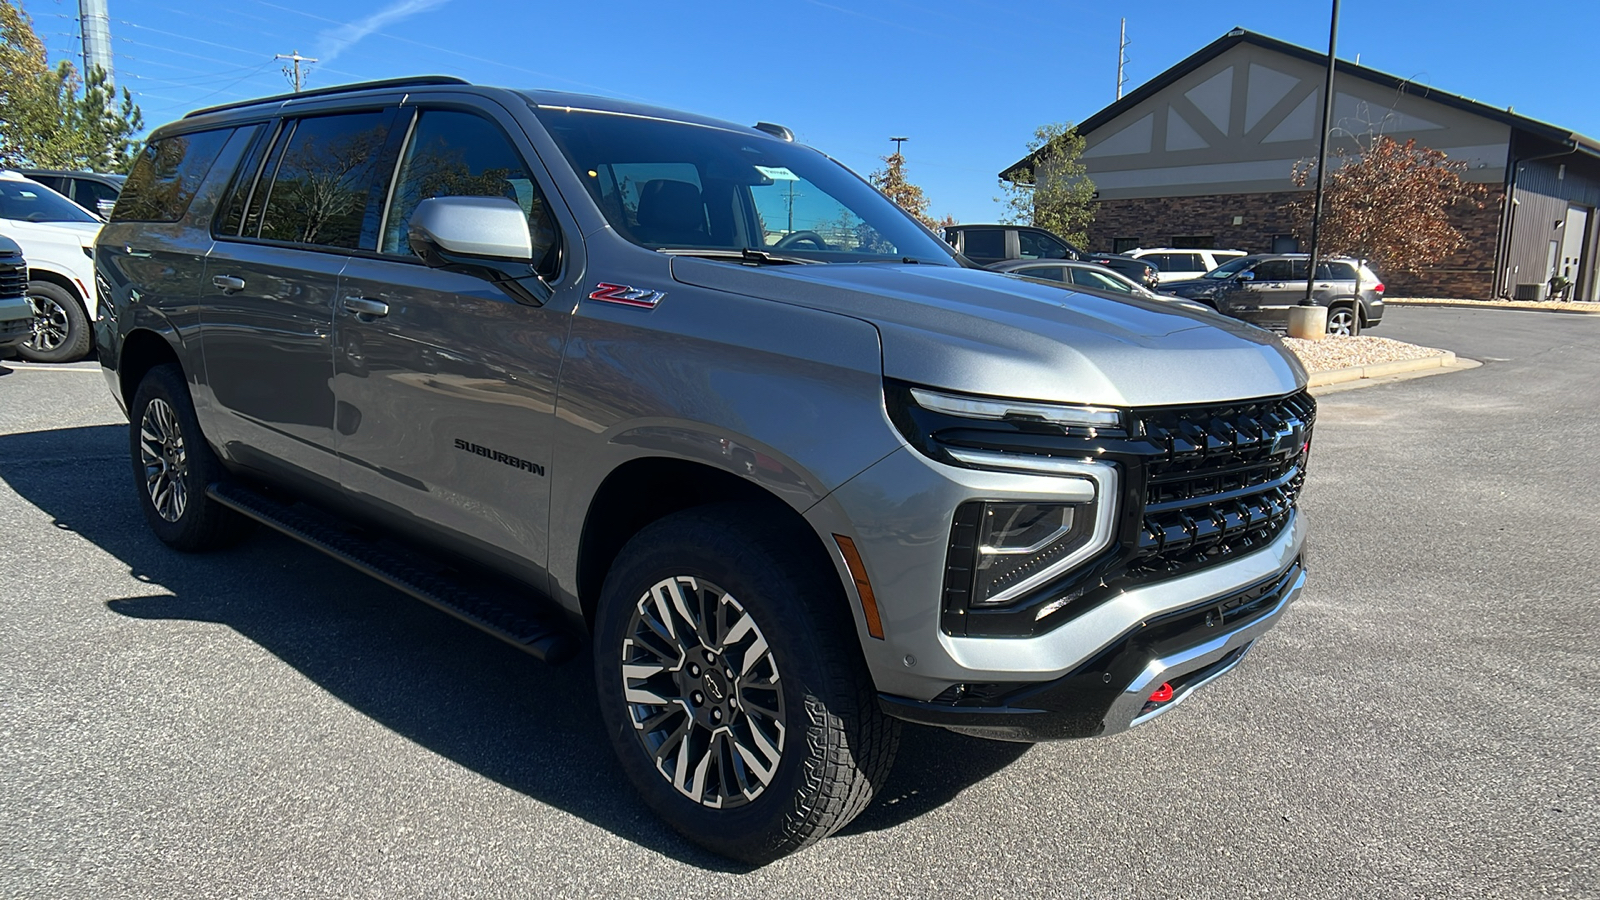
(549,642)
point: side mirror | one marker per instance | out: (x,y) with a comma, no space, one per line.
(483,236)
(1245,276)
(462,230)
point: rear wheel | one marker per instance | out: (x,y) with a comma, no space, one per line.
(732,685)
(1344,320)
(173,464)
(60,325)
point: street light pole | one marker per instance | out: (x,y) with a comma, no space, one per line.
(1322,159)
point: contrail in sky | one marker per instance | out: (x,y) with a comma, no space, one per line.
(335,41)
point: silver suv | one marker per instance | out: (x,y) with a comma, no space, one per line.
(694,398)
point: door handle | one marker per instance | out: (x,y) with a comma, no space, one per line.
(136,253)
(228,284)
(1323,287)
(363,306)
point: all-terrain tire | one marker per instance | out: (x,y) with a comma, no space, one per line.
(733,561)
(173,464)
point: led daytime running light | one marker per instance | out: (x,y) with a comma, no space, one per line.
(976,408)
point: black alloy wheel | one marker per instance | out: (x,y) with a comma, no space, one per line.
(732,685)
(60,325)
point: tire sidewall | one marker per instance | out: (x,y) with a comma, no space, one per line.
(76,345)
(772,606)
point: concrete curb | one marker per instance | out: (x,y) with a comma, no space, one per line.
(1490,304)
(1444,360)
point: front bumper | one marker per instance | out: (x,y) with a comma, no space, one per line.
(1113,691)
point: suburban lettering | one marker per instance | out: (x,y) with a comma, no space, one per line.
(499,457)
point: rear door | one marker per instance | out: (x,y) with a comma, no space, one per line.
(445,384)
(272,279)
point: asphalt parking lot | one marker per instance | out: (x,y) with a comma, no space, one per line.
(266,722)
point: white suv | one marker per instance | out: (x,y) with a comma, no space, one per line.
(57,238)
(1175,264)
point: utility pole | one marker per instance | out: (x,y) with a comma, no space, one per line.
(95,22)
(897,142)
(1122,58)
(1322,160)
(298,59)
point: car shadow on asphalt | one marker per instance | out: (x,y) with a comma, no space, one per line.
(438,682)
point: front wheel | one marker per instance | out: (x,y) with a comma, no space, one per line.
(732,685)
(60,326)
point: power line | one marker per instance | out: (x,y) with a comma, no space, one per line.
(298,59)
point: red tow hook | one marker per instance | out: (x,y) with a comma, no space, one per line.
(1162,694)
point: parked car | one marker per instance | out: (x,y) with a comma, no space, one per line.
(1092,276)
(1261,289)
(1175,264)
(16,313)
(987,244)
(791,483)
(91,190)
(57,237)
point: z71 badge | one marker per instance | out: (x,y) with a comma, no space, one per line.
(627,296)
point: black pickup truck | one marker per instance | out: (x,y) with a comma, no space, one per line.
(989,244)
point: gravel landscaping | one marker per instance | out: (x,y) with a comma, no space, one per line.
(1335,352)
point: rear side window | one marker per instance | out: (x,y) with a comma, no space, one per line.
(1038,246)
(166,176)
(458,154)
(324,181)
(987,243)
(1049,273)
(1335,271)
(90,193)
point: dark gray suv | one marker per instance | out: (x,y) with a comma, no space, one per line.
(1261,289)
(694,400)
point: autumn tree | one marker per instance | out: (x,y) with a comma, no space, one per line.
(1390,202)
(891,181)
(1052,189)
(53,117)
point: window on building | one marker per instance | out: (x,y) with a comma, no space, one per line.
(1194,241)
(1123,245)
(1285,243)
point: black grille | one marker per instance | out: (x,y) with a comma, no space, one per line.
(13,278)
(1224,481)
(15,328)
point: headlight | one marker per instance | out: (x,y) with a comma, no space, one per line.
(1019,541)
(1000,410)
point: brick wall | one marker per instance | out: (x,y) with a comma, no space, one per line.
(1155,221)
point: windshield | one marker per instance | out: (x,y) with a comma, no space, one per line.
(1230,268)
(29,201)
(680,187)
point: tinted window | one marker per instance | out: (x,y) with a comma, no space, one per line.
(1123,245)
(1186,262)
(324,182)
(986,243)
(29,201)
(1100,281)
(1049,273)
(89,193)
(1039,246)
(231,212)
(1273,270)
(1298,269)
(458,154)
(1335,271)
(53,182)
(166,176)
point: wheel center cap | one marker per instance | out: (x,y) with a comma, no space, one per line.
(716,686)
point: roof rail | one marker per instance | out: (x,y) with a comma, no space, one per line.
(413,81)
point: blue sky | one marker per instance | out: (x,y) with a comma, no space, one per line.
(966,81)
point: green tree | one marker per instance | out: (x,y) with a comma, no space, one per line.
(891,182)
(1051,189)
(53,117)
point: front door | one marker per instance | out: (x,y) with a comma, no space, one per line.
(444,384)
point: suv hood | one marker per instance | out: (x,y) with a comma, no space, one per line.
(984,332)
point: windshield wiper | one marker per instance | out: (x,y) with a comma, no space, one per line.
(904,260)
(747,255)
